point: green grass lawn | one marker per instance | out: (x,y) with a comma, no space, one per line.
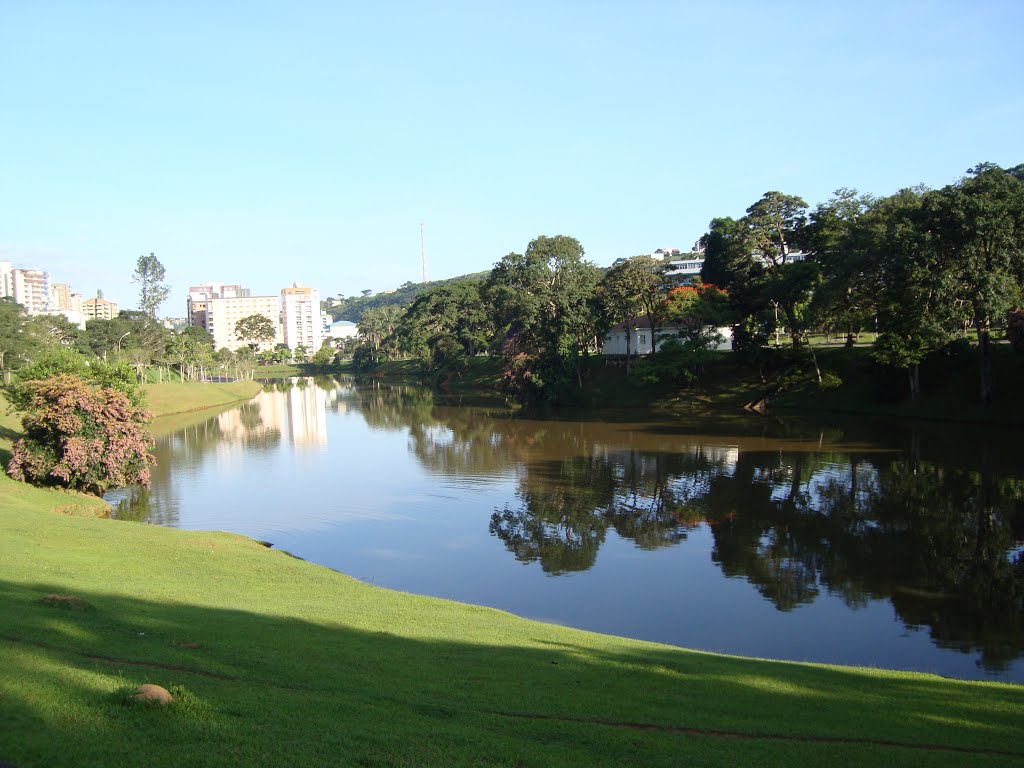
(276,661)
(174,397)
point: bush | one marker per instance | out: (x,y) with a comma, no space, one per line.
(81,437)
(679,360)
(61,360)
(830,380)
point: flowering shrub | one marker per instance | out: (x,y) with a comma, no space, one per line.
(81,437)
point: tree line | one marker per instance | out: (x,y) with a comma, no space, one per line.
(917,270)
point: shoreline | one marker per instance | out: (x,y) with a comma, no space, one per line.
(275,659)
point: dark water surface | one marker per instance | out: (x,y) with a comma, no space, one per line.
(886,546)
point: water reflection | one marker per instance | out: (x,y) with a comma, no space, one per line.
(943,544)
(928,520)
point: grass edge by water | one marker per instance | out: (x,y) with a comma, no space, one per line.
(181,588)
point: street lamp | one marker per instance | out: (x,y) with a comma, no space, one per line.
(126,333)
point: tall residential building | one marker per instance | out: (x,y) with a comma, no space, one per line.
(99,309)
(63,300)
(31,289)
(223,314)
(6,280)
(300,317)
(199,295)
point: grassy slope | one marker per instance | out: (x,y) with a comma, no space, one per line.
(282,662)
(167,399)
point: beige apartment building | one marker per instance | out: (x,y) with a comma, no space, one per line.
(300,317)
(62,299)
(221,315)
(199,295)
(99,309)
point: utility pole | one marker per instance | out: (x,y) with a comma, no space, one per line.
(423,255)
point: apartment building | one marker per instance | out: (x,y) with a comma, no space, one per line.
(62,299)
(300,317)
(31,289)
(99,309)
(199,295)
(221,315)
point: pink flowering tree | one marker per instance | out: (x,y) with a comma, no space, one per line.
(81,437)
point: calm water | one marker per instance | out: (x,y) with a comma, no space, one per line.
(882,546)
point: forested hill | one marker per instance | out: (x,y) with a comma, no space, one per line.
(354,306)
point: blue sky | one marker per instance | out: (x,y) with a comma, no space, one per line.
(265,143)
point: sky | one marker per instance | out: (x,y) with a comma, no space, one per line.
(266,143)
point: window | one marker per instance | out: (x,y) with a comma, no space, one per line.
(643,338)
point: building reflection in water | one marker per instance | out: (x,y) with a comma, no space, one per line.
(298,411)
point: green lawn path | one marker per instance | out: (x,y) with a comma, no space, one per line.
(276,661)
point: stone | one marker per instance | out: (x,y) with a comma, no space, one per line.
(67,602)
(152,694)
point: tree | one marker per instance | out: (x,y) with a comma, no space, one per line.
(846,297)
(153,290)
(81,437)
(455,311)
(769,231)
(621,297)
(103,337)
(183,349)
(59,360)
(12,339)
(914,316)
(325,355)
(977,230)
(728,264)
(255,330)
(544,314)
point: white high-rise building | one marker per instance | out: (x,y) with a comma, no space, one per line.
(300,317)
(31,289)
(223,314)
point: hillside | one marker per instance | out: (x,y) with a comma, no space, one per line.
(354,306)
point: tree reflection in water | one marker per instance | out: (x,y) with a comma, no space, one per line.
(935,528)
(943,545)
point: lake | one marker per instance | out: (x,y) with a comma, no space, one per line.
(842,542)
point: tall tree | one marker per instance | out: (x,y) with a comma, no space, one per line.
(153,290)
(544,314)
(835,237)
(729,266)
(771,229)
(914,314)
(977,228)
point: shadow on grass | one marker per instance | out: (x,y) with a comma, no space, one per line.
(275,690)
(8,435)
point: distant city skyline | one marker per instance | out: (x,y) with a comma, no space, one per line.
(267,144)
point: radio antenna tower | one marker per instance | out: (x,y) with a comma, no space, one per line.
(423,255)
